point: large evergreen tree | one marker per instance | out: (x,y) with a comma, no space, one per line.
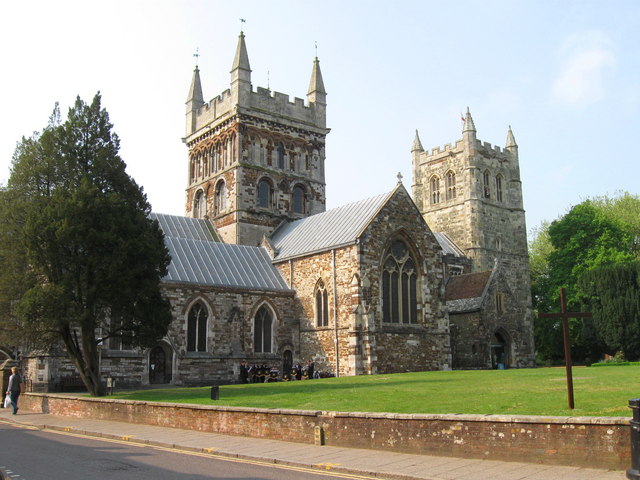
(612,293)
(81,261)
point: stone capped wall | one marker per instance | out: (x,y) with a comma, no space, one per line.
(593,442)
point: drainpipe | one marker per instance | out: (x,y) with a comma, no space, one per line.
(335,311)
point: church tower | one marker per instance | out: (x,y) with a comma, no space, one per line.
(472,192)
(255,157)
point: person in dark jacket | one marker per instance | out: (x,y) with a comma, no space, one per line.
(13,390)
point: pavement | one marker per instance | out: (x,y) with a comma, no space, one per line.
(371,463)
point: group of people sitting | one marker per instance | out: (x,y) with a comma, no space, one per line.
(263,373)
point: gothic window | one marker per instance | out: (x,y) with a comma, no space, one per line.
(399,285)
(280,155)
(262,331)
(486,185)
(264,194)
(199,205)
(322,305)
(298,199)
(435,190)
(451,185)
(221,196)
(120,340)
(192,170)
(197,328)
(263,155)
(499,188)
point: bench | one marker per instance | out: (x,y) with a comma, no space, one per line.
(71,384)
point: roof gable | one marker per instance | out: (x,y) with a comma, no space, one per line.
(334,228)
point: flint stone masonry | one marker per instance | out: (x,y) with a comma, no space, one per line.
(594,442)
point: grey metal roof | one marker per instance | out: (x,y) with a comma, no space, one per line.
(197,259)
(447,244)
(185,227)
(331,229)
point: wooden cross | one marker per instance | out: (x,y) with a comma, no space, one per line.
(565,316)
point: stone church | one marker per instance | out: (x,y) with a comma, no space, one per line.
(428,279)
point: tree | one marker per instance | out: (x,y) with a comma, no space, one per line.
(583,239)
(81,259)
(612,293)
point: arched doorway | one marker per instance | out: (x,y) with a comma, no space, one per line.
(160,360)
(287,361)
(500,350)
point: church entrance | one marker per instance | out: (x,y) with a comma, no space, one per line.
(499,351)
(160,365)
(287,361)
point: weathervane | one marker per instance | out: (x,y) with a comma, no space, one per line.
(316,49)
(242,21)
(197,55)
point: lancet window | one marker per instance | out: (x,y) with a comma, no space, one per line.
(322,305)
(262,326)
(486,185)
(435,190)
(499,188)
(197,328)
(451,184)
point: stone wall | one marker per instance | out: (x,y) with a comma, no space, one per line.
(595,442)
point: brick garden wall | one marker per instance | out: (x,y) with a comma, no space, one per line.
(596,442)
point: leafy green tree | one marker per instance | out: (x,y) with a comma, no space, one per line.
(612,293)
(81,261)
(583,239)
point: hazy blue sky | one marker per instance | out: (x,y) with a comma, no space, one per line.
(564,74)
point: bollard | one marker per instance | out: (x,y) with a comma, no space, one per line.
(318,435)
(634,472)
(215,393)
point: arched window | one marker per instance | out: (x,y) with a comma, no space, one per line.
(298,199)
(451,185)
(264,194)
(322,305)
(499,188)
(199,205)
(262,331)
(485,182)
(435,190)
(221,196)
(281,155)
(197,328)
(399,285)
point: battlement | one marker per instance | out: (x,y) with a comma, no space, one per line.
(438,153)
(264,100)
(281,104)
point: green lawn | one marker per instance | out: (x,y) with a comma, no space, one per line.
(542,391)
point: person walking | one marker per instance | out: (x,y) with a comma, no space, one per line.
(13,390)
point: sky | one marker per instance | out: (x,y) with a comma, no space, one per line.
(564,74)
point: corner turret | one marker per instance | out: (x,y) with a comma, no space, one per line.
(511,146)
(241,73)
(469,134)
(417,144)
(195,100)
(317,95)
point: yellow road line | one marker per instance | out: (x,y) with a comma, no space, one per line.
(125,440)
